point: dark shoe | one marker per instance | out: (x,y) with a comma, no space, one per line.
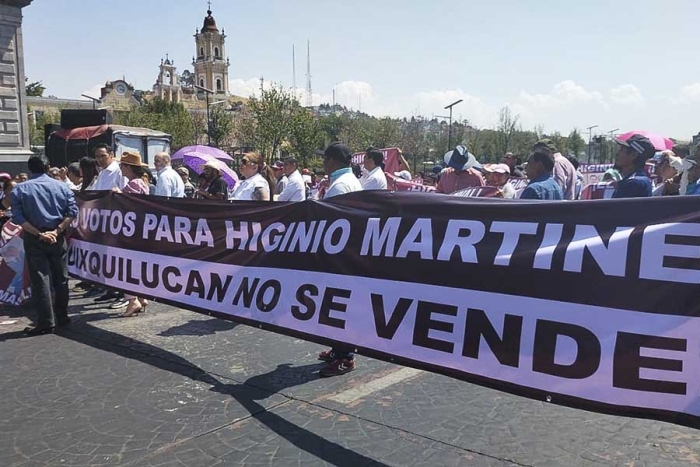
(82,287)
(37,331)
(107,297)
(63,322)
(338,367)
(119,303)
(93,293)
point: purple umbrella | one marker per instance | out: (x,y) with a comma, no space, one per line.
(201,151)
(196,163)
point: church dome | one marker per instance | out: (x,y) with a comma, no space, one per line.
(209,23)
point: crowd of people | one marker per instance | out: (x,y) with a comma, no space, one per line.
(43,202)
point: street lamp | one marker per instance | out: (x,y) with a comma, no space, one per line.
(612,147)
(449,137)
(590,136)
(207,91)
(93,99)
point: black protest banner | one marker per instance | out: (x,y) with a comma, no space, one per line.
(587,304)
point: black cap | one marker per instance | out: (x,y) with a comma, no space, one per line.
(339,152)
(639,144)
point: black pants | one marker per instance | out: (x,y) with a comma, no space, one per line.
(47,268)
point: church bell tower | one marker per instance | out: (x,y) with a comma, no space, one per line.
(210,62)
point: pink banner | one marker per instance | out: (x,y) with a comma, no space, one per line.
(14,277)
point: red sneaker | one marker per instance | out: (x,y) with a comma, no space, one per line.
(338,367)
(327,356)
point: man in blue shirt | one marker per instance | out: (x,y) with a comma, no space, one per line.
(630,159)
(45,207)
(539,170)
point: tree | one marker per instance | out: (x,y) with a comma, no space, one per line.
(221,127)
(269,121)
(385,131)
(306,136)
(187,79)
(37,122)
(35,89)
(576,144)
(161,115)
(506,128)
(413,142)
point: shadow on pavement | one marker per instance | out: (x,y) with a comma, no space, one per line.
(246,394)
(199,328)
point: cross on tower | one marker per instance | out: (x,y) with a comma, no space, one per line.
(209,3)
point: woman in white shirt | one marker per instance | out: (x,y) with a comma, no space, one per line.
(374,179)
(259,180)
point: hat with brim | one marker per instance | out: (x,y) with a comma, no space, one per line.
(496,168)
(212,165)
(278,165)
(182,170)
(132,158)
(5,175)
(461,159)
(404,174)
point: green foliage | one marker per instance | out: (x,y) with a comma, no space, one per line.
(506,128)
(576,143)
(306,136)
(35,89)
(187,79)
(270,121)
(166,116)
(36,128)
(221,127)
(412,139)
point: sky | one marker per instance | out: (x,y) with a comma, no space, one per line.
(558,65)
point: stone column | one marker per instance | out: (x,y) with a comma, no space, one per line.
(14,133)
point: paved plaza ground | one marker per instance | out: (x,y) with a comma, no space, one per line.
(175,388)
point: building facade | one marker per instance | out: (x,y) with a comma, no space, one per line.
(210,62)
(14,131)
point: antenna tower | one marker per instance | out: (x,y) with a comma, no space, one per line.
(309,93)
(294,73)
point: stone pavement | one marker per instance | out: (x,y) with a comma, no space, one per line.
(175,388)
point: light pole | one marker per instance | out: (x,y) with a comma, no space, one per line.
(207,91)
(612,147)
(449,133)
(94,100)
(590,136)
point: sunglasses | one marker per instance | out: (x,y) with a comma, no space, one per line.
(246,162)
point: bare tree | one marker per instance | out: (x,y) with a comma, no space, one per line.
(506,128)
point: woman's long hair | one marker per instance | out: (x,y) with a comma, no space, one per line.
(264,170)
(88,168)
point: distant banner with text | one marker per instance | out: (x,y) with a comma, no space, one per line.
(587,304)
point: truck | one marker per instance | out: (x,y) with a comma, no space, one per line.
(65,144)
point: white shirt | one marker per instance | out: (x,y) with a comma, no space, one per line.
(170,183)
(508,191)
(245,189)
(109,177)
(374,179)
(295,189)
(346,183)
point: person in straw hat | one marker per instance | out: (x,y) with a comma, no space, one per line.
(133,169)
(217,187)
